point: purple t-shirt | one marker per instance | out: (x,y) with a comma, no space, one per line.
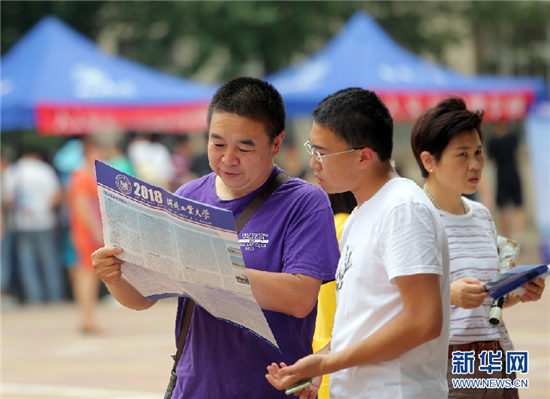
(293,232)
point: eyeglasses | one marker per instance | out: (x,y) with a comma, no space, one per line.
(318,156)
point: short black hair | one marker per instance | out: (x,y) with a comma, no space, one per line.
(360,118)
(435,127)
(251,98)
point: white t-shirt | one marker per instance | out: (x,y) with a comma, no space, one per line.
(395,233)
(31,185)
(152,162)
(473,249)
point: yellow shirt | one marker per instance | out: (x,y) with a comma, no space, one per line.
(326,307)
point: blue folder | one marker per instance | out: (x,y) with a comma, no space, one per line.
(514,278)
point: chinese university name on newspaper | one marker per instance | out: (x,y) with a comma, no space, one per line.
(173,246)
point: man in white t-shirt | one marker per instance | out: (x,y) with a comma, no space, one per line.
(31,190)
(390,335)
(151,160)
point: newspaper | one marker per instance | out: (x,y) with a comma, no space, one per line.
(174,246)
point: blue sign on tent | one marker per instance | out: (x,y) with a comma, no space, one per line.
(57,81)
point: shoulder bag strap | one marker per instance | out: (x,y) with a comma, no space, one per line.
(259,199)
(240,222)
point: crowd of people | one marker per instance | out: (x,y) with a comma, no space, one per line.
(50,214)
(407,263)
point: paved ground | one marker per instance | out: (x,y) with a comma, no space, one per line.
(44,357)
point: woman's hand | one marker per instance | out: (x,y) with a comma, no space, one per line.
(468,293)
(533,290)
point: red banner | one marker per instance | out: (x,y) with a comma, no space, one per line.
(407,107)
(89,119)
(404,107)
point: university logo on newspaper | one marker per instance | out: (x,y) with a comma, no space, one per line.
(123,184)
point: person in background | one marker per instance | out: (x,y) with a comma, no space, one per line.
(182,155)
(390,332)
(200,166)
(291,160)
(151,160)
(68,158)
(342,205)
(447,142)
(7,252)
(113,152)
(32,191)
(502,149)
(246,120)
(86,233)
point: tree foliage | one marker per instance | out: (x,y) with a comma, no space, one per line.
(231,37)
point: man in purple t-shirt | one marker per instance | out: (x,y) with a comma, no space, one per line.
(289,247)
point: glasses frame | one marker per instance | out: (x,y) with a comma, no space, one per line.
(318,156)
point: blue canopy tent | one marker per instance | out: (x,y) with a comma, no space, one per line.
(362,54)
(57,81)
